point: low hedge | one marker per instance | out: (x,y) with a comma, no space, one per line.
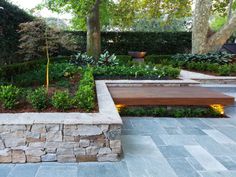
(219,64)
(7,71)
(124,59)
(85,95)
(136,72)
(157,59)
(163,111)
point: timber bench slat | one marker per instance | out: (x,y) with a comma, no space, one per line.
(150,95)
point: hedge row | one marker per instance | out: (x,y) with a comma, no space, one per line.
(7,71)
(151,42)
(10,17)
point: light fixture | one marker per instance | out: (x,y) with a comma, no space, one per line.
(218,108)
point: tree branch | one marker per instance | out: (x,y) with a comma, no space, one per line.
(220,37)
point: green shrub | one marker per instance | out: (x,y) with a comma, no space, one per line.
(37,77)
(85,95)
(61,100)
(224,70)
(162,111)
(9,96)
(157,59)
(38,98)
(124,59)
(9,71)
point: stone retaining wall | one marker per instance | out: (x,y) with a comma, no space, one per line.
(59,142)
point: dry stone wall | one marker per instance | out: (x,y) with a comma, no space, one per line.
(59,143)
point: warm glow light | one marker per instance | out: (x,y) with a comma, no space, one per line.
(119,106)
(218,108)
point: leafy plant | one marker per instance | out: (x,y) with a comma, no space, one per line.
(38,98)
(9,95)
(82,59)
(107,60)
(217,57)
(61,100)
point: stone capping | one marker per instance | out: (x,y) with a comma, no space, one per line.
(139,83)
(107,114)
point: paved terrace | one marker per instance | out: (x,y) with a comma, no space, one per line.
(163,147)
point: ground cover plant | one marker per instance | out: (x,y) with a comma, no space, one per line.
(164,111)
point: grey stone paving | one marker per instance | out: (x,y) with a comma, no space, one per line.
(164,147)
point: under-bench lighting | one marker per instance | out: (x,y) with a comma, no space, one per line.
(119,107)
(218,108)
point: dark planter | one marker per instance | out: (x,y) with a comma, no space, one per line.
(137,54)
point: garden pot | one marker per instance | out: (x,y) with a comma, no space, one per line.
(137,54)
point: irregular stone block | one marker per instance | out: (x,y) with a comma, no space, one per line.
(39,128)
(34,151)
(54,136)
(49,158)
(65,151)
(88,130)
(105,150)
(113,134)
(86,158)
(66,158)
(92,150)
(33,159)
(14,142)
(67,145)
(84,143)
(5,156)
(53,127)
(32,136)
(13,128)
(68,138)
(18,156)
(51,147)
(39,145)
(77,138)
(115,143)
(79,151)
(100,142)
(108,158)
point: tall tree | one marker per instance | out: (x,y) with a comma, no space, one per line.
(85,11)
(202,40)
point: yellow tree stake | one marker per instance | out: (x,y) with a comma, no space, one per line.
(48,61)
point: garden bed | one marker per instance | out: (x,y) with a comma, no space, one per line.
(170,111)
(63,137)
(216,64)
(74,91)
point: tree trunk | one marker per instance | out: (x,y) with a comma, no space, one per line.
(201,42)
(93,32)
(200,25)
